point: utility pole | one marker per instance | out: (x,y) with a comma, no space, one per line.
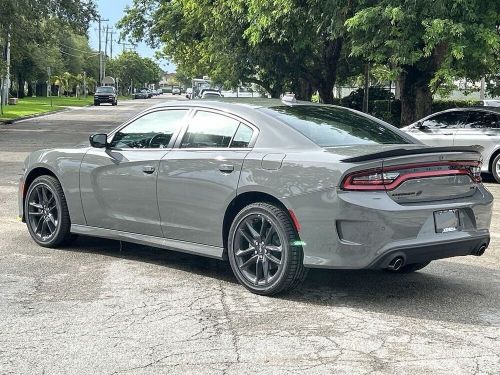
(6,78)
(99,20)
(111,45)
(105,52)
(124,45)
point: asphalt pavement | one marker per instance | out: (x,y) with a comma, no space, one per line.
(101,307)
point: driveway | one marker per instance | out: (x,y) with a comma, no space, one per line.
(107,307)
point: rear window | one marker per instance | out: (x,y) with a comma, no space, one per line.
(330,126)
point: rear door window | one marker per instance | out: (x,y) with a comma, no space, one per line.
(209,130)
(448,120)
(483,120)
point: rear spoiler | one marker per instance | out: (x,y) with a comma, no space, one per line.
(405,151)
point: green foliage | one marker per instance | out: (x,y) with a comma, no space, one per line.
(279,45)
(131,69)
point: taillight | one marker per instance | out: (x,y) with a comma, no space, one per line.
(390,178)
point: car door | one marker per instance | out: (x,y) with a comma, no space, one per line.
(481,128)
(439,129)
(118,183)
(198,178)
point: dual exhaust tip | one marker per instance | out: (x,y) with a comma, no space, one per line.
(396,263)
(399,261)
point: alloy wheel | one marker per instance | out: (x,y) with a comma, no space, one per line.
(43,212)
(258,249)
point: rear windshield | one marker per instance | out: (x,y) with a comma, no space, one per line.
(108,89)
(333,126)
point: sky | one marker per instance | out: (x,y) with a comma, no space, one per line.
(114,11)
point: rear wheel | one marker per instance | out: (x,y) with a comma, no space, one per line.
(263,250)
(409,268)
(46,212)
(495,168)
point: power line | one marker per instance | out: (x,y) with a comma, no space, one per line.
(67,53)
(79,50)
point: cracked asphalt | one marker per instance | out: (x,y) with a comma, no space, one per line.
(101,307)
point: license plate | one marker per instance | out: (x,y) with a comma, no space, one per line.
(447,221)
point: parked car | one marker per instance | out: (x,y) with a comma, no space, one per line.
(276,188)
(209,93)
(105,94)
(141,94)
(491,102)
(176,91)
(464,127)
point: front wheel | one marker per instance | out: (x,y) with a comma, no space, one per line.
(46,212)
(495,168)
(264,250)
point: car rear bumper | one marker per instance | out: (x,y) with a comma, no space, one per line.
(363,230)
(419,253)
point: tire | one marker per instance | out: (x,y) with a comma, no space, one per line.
(96,104)
(259,266)
(409,268)
(495,168)
(46,212)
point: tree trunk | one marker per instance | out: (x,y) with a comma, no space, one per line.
(30,89)
(329,65)
(20,86)
(303,89)
(414,85)
(416,96)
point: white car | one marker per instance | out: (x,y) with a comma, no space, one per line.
(474,126)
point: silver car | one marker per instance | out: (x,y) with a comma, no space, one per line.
(464,127)
(275,188)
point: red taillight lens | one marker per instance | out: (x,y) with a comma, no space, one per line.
(391,177)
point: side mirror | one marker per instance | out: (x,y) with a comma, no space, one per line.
(98,140)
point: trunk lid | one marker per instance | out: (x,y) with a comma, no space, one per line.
(418,173)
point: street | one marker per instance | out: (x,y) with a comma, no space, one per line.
(103,307)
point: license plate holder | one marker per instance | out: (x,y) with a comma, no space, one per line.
(446,221)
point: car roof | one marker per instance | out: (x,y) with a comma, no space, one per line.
(470,109)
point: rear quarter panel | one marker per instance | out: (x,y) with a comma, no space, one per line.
(307,183)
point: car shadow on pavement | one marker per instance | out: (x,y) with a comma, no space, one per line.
(443,291)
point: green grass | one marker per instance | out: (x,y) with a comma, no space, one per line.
(32,106)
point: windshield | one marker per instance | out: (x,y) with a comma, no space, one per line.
(107,90)
(333,126)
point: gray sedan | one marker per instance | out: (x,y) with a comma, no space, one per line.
(275,188)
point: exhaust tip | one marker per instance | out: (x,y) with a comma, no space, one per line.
(480,250)
(396,263)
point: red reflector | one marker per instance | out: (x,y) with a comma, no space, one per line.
(294,220)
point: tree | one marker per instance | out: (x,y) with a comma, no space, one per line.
(25,25)
(283,44)
(133,70)
(428,42)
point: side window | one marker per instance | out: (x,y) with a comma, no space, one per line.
(207,129)
(153,130)
(483,120)
(449,120)
(242,137)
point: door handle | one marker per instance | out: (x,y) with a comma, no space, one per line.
(447,133)
(148,169)
(226,168)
